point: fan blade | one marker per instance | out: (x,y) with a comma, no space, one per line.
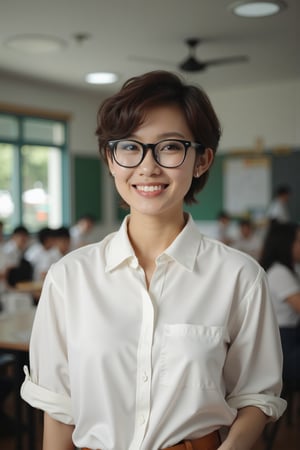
(226,60)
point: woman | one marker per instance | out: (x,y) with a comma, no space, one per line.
(280,255)
(156,335)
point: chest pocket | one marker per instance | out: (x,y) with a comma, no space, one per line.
(192,356)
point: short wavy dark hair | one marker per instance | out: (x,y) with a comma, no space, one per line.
(122,113)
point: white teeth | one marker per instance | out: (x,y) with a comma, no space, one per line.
(149,188)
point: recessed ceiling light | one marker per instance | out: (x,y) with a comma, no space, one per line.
(35,43)
(253,9)
(101,78)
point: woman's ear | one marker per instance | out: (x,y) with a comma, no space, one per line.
(203,162)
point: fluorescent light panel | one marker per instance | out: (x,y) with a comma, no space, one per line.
(101,78)
(253,9)
(35,43)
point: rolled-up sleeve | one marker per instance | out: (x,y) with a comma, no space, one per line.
(47,385)
(254,362)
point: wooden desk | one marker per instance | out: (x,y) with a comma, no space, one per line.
(15,330)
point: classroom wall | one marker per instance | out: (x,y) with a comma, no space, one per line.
(268,112)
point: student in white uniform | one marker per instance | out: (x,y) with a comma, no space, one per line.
(83,232)
(279,209)
(224,228)
(16,246)
(280,254)
(248,241)
(157,334)
(43,253)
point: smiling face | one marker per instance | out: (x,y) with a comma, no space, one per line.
(153,190)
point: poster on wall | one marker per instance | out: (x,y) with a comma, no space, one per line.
(247,186)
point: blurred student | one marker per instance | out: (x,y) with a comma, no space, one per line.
(15,247)
(223,232)
(17,267)
(280,254)
(62,241)
(82,233)
(279,209)
(248,241)
(42,254)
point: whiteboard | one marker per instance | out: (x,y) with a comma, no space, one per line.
(246,184)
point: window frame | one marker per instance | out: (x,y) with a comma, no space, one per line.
(21,115)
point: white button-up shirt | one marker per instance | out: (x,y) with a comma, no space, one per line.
(136,368)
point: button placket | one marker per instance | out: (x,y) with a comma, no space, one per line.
(143,371)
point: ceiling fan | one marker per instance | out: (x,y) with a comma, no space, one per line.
(191,63)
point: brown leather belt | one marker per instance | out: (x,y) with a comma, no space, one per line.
(209,442)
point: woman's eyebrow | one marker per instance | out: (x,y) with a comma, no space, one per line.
(167,135)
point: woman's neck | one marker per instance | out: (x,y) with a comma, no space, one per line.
(150,236)
(154,234)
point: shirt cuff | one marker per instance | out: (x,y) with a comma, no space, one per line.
(56,405)
(272,406)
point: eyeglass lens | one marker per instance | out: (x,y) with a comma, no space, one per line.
(168,153)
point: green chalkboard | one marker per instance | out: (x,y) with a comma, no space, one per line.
(87,187)
(210,199)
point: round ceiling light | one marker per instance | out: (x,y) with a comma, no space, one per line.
(35,43)
(101,78)
(253,9)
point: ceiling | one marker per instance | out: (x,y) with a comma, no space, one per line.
(131,37)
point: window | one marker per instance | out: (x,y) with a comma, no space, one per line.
(33,172)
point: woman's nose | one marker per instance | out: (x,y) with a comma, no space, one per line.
(149,166)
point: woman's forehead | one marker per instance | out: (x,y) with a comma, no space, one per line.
(165,120)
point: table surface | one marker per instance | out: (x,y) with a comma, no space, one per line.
(15,329)
(32,287)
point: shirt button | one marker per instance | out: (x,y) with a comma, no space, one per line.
(145,377)
(142,420)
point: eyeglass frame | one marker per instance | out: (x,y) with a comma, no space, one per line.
(187,144)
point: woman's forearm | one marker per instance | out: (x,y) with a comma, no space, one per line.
(245,430)
(57,435)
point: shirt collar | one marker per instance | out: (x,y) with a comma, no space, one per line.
(184,248)
(119,248)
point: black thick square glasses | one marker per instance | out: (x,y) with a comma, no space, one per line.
(168,153)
